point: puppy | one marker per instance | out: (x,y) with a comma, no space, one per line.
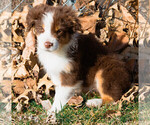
(74,61)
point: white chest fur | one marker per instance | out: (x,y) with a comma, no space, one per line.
(53,63)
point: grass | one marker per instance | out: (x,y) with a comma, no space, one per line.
(83,115)
(144,111)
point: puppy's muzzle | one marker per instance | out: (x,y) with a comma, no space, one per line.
(48,44)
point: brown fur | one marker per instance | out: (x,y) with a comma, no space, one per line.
(115,75)
(90,59)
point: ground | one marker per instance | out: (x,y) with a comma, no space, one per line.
(107,114)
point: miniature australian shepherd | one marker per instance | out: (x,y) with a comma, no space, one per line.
(74,61)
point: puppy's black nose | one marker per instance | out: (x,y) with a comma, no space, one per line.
(48,44)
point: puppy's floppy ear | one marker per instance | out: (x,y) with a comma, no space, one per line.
(68,18)
(77,25)
(75,20)
(35,14)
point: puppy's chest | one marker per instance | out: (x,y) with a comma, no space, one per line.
(55,64)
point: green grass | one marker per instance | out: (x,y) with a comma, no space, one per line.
(144,111)
(34,114)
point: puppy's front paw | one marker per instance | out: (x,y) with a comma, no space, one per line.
(51,117)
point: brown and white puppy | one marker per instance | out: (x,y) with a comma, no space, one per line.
(75,61)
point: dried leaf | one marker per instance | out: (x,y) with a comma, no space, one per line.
(75,101)
(112,113)
(29,45)
(46,104)
(5,15)
(143,93)
(89,22)
(7,87)
(23,16)
(129,96)
(45,82)
(8,107)
(31,83)
(36,70)
(119,41)
(37,2)
(5,28)
(22,72)
(7,99)
(19,107)
(126,15)
(10,72)
(16,37)
(25,96)
(19,86)
(2,71)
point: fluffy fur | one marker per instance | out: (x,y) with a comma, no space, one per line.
(75,61)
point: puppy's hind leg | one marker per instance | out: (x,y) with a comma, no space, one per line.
(100,87)
(94,103)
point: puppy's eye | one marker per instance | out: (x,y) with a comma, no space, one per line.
(59,32)
(41,29)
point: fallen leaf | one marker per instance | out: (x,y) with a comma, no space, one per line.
(7,87)
(144,92)
(118,113)
(23,15)
(5,15)
(25,96)
(19,107)
(3,69)
(31,83)
(4,51)
(19,86)
(8,107)
(7,99)
(45,82)
(36,70)
(126,15)
(16,37)
(112,113)
(129,95)
(46,104)
(88,23)
(5,28)
(75,101)
(21,72)
(10,72)
(37,2)
(119,41)
(29,45)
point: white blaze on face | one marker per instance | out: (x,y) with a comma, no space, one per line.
(47,35)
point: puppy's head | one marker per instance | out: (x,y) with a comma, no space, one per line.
(53,26)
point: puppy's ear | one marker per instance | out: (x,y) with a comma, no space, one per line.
(74,20)
(68,18)
(35,14)
(77,25)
